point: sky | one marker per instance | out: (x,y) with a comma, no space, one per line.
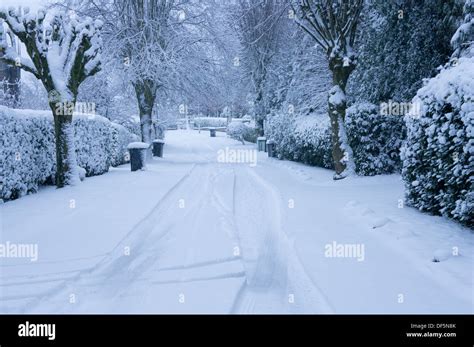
(32,4)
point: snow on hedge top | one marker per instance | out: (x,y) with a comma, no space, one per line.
(158,141)
(138,145)
(48,114)
(316,124)
(459,77)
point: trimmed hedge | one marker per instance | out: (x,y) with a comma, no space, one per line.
(375,139)
(239,130)
(302,139)
(438,157)
(203,122)
(27,150)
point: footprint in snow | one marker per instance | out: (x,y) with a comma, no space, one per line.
(441,255)
(380,222)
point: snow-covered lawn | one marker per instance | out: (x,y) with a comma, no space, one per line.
(195,234)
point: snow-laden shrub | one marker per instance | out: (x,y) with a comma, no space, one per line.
(438,157)
(203,122)
(313,140)
(120,138)
(239,130)
(160,129)
(304,139)
(27,150)
(375,139)
(92,139)
(280,127)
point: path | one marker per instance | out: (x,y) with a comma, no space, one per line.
(192,235)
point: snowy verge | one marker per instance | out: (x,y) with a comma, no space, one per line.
(407,260)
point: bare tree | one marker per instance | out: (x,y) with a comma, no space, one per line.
(155,41)
(143,40)
(63,51)
(333,26)
(258,27)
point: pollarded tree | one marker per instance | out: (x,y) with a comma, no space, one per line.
(63,51)
(333,26)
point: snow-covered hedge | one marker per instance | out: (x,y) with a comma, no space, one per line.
(438,157)
(119,140)
(239,130)
(375,139)
(27,151)
(92,139)
(303,139)
(203,122)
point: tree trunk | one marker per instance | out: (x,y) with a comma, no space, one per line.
(341,150)
(66,164)
(146,95)
(259,113)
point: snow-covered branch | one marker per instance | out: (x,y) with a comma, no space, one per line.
(63,51)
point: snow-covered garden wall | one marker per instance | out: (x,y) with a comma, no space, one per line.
(438,157)
(27,150)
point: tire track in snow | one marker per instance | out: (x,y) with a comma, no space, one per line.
(274,273)
(141,229)
(199,264)
(119,271)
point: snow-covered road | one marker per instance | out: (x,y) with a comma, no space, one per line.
(192,234)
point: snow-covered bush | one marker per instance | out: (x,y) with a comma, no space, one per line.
(375,139)
(120,138)
(27,154)
(313,140)
(239,130)
(304,139)
(91,140)
(27,148)
(159,129)
(203,122)
(438,157)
